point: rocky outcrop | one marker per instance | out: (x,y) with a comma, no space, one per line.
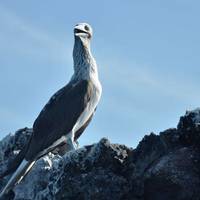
(162,167)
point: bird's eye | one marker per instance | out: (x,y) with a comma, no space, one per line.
(86,28)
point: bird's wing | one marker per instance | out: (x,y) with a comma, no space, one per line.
(80,131)
(59,116)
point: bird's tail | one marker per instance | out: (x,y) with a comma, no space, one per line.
(19,174)
(14,164)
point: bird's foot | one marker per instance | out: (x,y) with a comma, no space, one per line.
(72,146)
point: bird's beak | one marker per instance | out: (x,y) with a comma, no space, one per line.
(80,31)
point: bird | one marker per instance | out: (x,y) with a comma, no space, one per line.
(68,112)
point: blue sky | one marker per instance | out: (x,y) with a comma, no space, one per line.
(147,53)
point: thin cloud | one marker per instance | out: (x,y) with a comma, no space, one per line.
(12,23)
(134,78)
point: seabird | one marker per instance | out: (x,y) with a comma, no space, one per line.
(68,112)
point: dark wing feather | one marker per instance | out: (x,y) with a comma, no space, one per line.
(59,116)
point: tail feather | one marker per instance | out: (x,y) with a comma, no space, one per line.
(14,164)
(21,171)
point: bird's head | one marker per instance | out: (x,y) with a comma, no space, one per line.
(83,31)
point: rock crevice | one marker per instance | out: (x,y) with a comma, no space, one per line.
(164,166)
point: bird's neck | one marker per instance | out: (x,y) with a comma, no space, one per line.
(84,63)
